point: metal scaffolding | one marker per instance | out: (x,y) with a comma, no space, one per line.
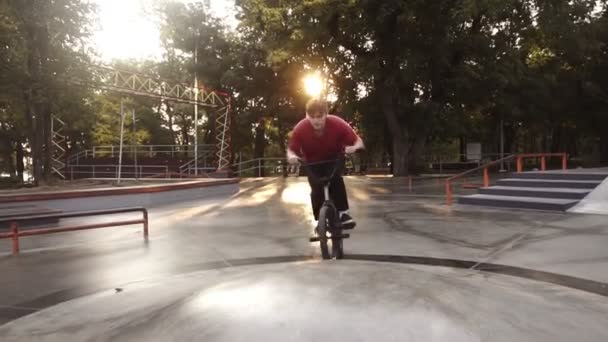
(131,83)
(58,142)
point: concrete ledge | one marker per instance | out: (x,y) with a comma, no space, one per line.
(129,190)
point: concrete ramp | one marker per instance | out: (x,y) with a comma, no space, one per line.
(327,301)
(594,203)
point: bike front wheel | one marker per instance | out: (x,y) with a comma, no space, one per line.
(322,228)
(337,246)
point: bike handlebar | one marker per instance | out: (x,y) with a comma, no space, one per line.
(338,164)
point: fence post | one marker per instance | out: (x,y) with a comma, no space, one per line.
(486,178)
(564,161)
(519,166)
(260,167)
(15,231)
(543,163)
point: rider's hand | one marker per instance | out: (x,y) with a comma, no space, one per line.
(351,149)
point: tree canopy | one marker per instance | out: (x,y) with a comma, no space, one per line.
(414,77)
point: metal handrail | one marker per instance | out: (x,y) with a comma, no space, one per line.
(186,165)
(485,166)
(486,175)
(14,233)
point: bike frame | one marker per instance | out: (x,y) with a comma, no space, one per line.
(338,165)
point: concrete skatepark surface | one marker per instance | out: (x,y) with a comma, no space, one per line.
(354,301)
(240,267)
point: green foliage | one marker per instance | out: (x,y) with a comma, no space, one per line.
(413,76)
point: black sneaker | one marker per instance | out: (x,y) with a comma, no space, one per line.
(347,222)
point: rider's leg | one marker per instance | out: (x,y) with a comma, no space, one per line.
(337,191)
(317,196)
(338,194)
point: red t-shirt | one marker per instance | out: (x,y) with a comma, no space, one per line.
(336,135)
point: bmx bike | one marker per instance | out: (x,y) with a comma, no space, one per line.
(329,228)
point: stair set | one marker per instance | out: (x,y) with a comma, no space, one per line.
(538,190)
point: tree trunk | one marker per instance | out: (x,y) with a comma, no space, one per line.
(510,143)
(34,140)
(463,148)
(416,150)
(6,152)
(260,146)
(45,110)
(556,140)
(604,147)
(400,163)
(282,142)
(400,142)
(48,145)
(19,160)
(210,138)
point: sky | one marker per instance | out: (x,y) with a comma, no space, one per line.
(127,29)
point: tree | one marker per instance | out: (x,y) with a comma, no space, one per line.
(49,43)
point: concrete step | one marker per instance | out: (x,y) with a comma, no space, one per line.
(549,183)
(537,203)
(563,193)
(560,175)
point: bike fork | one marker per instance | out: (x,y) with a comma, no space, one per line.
(326,192)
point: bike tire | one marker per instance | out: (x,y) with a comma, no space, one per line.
(337,250)
(322,228)
(337,245)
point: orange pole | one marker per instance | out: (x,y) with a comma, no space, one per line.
(448,192)
(519,166)
(486,178)
(564,161)
(145,212)
(15,231)
(543,163)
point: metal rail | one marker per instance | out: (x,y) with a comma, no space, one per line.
(15,233)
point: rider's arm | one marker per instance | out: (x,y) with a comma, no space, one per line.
(292,157)
(351,140)
(293,148)
(358,145)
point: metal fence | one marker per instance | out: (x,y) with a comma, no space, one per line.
(111,171)
(150,151)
